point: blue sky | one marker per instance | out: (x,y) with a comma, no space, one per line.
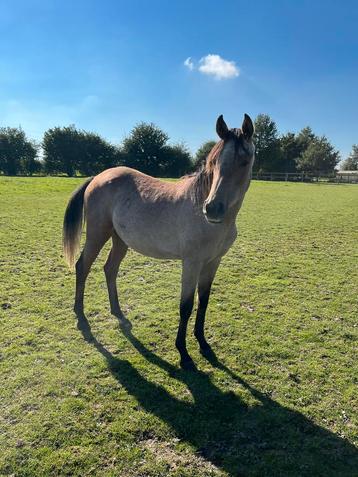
(106,65)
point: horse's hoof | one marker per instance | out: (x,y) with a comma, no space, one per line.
(188,365)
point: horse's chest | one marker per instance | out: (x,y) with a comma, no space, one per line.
(211,244)
(224,242)
(228,241)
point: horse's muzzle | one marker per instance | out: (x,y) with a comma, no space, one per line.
(214,211)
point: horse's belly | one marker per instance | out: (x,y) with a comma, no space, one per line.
(149,241)
(150,250)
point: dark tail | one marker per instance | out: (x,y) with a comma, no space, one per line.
(72,224)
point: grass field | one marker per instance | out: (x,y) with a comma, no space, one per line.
(280,401)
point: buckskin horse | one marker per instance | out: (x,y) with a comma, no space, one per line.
(192,220)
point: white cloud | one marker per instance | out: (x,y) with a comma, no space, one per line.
(216,66)
(189,64)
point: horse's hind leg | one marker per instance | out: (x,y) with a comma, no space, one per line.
(95,239)
(116,255)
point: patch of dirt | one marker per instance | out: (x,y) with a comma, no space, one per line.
(164,451)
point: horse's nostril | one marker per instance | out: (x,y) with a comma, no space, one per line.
(209,207)
(220,208)
(214,209)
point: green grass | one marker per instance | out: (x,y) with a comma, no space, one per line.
(281,401)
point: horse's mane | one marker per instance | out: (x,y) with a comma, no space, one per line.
(203,176)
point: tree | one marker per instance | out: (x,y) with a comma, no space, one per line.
(144,147)
(29,163)
(267,144)
(351,163)
(304,138)
(175,161)
(62,148)
(202,153)
(95,154)
(69,150)
(290,151)
(320,156)
(17,153)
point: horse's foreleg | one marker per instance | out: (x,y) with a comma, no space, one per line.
(206,278)
(190,275)
(116,255)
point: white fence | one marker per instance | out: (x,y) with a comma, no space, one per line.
(339,178)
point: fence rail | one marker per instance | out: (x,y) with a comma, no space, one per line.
(304,177)
(265,176)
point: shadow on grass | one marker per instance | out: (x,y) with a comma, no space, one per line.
(265,439)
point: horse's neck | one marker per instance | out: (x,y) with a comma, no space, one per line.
(198,188)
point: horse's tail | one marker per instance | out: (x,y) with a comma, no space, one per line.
(72,224)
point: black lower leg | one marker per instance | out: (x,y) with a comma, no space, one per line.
(111,271)
(186,307)
(78,306)
(200,318)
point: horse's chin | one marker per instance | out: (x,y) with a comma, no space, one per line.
(214,221)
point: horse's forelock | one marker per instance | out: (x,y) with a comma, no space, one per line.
(203,178)
(213,155)
(236,132)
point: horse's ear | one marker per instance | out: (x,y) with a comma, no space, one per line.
(247,127)
(221,127)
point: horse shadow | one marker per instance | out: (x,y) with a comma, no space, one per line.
(263,439)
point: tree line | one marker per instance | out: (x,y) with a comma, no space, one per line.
(71,151)
(296,152)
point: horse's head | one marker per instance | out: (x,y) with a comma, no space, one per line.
(229,163)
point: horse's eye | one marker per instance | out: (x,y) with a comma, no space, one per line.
(244,163)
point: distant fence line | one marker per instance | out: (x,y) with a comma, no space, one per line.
(304,177)
(338,178)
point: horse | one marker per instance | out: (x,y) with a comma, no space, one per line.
(192,220)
